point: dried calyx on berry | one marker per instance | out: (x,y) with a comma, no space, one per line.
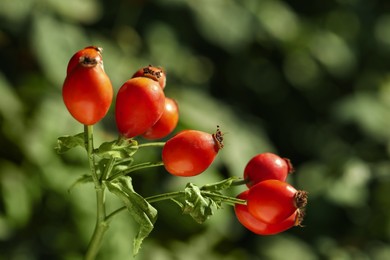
(300,199)
(88,61)
(218,138)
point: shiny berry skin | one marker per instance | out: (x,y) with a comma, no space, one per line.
(88,55)
(154,73)
(167,122)
(87,90)
(272,201)
(266,166)
(259,227)
(190,152)
(139,105)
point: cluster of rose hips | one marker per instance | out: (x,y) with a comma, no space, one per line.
(273,205)
(269,206)
(141,109)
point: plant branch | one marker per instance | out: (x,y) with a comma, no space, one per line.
(101,225)
(133,168)
(172,195)
(152,144)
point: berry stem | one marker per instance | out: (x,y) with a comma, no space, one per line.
(133,168)
(226,199)
(108,168)
(151,199)
(151,144)
(240,182)
(164,196)
(172,195)
(101,225)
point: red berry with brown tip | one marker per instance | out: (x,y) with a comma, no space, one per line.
(266,166)
(272,201)
(191,152)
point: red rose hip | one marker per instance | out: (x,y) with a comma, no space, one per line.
(190,152)
(167,122)
(259,227)
(139,105)
(87,90)
(266,166)
(272,201)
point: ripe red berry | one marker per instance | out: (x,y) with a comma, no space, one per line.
(154,73)
(167,122)
(266,166)
(139,104)
(259,227)
(87,90)
(272,201)
(190,152)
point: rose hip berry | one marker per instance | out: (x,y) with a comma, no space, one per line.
(272,201)
(139,105)
(190,152)
(167,122)
(267,166)
(262,228)
(87,90)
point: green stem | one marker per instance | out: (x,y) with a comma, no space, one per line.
(240,182)
(164,196)
(88,139)
(133,168)
(226,199)
(108,169)
(114,213)
(171,195)
(101,224)
(152,144)
(151,199)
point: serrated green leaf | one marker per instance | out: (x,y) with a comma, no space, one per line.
(121,148)
(221,185)
(141,211)
(65,143)
(200,208)
(83,179)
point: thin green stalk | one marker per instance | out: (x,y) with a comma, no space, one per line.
(101,224)
(225,199)
(175,194)
(88,139)
(240,182)
(108,169)
(164,196)
(152,144)
(151,199)
(133,168)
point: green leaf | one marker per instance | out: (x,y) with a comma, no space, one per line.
(142,212)
(200,208)
(221,185)
(83,179)
(67,142)
(121,148)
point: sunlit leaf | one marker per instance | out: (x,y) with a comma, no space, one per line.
(122,148)
(141,211)
(199,207)
(65,143)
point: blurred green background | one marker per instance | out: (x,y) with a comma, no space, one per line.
(308,80)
